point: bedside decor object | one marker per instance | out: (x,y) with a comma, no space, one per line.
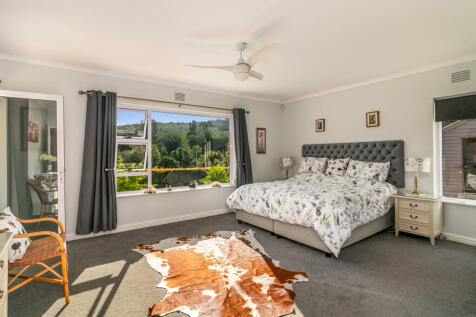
(320,125)
(372,119)
(417,164)
(260,140)
(287,162)
(419,215)
(169,188)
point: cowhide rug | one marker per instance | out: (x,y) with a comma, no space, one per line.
(224,273)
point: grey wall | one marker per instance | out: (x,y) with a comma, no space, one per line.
(137,210)
(406,112)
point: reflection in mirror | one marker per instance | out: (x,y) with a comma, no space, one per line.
(28,158)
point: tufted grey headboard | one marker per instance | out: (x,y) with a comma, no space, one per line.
(378,151)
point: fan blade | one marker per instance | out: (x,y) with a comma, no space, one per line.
(253,59)
(256,75)
(229,68)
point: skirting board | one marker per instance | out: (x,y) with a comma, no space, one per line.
(150,223)
(460,239)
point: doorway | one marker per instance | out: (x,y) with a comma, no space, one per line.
(32,156)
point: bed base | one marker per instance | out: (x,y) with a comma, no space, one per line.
(308,236)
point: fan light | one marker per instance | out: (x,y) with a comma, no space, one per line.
(241,76)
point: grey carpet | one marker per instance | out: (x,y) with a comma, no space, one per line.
(379,276)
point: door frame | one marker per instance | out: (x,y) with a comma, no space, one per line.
(59,139)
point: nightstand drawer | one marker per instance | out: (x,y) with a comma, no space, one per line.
(414,228)
(413,215)
(415,205)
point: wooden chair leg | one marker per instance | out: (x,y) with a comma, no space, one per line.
(64,269)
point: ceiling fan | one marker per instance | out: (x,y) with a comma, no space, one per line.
(243,69)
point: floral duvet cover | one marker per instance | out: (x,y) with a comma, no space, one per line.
(332,205)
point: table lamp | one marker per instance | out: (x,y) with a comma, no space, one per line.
(287,162)
(418,165)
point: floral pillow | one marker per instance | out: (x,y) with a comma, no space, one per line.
(18,246)
(312,165)
(337,166)
(377,171)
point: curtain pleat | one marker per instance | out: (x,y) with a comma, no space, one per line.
(244,173)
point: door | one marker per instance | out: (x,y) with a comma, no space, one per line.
(31,156)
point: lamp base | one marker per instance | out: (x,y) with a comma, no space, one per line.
(416,192)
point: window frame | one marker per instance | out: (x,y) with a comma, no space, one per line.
(438,168)
(147,139)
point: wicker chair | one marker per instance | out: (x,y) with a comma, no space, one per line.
(43,196)
(52,246)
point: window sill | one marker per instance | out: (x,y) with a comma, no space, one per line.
(174,190)
(456,201)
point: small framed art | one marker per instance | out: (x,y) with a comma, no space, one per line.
(260,140)
(372,119)
(320,125)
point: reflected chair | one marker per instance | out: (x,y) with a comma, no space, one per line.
(51,246)
(43,195)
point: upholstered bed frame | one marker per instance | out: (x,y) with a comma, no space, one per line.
(379,151)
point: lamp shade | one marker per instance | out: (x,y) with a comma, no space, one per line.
(287,162)
(417,164)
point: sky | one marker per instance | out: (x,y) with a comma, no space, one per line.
(127,117)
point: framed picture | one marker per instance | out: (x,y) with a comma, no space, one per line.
(261,140)
(320,125)
(372,119)
(33,132)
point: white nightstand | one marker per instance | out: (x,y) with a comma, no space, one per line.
(419,215)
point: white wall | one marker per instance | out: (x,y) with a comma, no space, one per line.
(406,112)
(140,209)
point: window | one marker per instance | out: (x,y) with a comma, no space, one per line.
(162,148)
(458,153)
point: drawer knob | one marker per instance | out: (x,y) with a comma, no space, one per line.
(413,205)
(1,294)
(413,216)
(414,227)
(2,264)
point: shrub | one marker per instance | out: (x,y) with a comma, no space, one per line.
(217,173)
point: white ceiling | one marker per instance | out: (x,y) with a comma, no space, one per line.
(324,44)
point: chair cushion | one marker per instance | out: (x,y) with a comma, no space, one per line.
(18,246)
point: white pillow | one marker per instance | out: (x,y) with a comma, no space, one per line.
(312,165)
(18,246)
(337,166)
(376,171)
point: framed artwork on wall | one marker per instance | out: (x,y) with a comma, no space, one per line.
(320,125)
(372,119)
(260,140)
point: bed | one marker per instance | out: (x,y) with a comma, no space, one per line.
(330,212)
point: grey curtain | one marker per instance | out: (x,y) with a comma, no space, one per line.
(244,173)
(19,195)
(97,210)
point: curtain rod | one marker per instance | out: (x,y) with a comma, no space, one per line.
(89,92)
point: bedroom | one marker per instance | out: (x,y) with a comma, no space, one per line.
(410,65)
